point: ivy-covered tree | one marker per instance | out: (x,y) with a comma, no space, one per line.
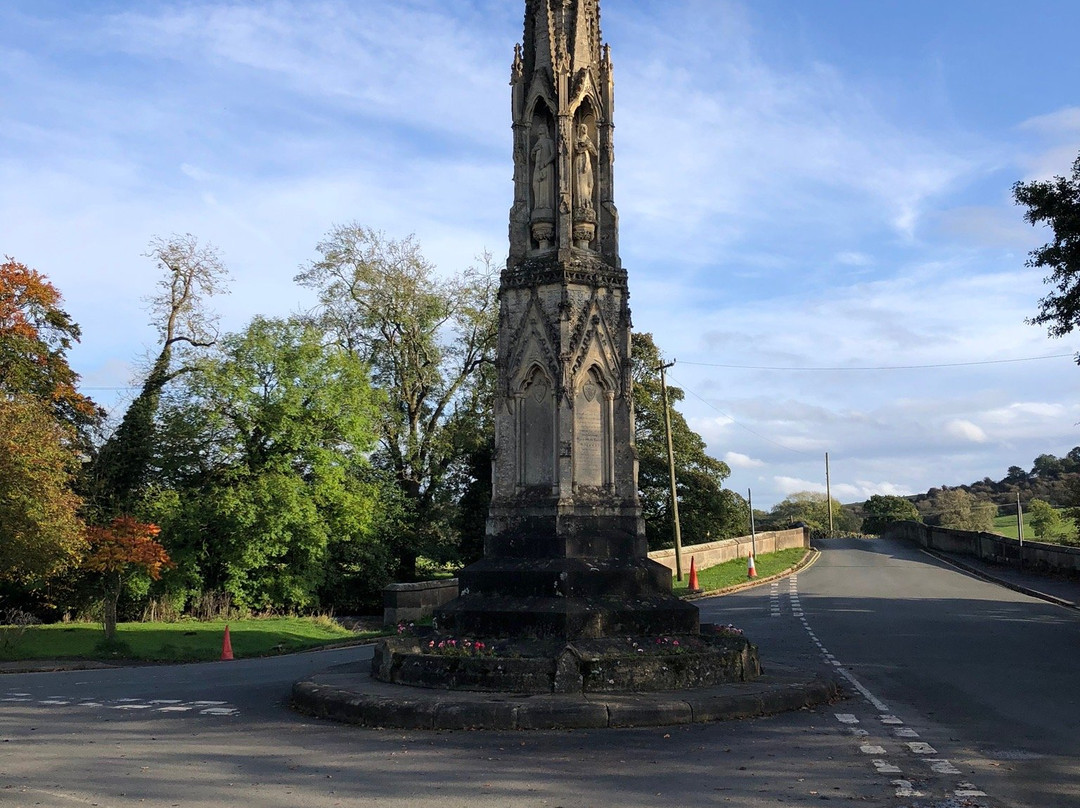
(707,511)
(190,274)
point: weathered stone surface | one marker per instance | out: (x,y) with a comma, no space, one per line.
(564,498)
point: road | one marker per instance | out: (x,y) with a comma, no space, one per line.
(973,680)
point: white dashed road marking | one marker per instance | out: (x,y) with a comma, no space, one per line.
(204,707)
(890,723)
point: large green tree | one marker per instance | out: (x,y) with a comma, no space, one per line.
(881,510)
(427,337)
(266,492)
(707,510)
(1056,203)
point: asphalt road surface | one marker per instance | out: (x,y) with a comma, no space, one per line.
(963,696)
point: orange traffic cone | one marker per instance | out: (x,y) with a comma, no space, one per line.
(226,646)
(693,585)
(750,571)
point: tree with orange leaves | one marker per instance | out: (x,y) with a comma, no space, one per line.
(35,336)
(44,428)
(118,550)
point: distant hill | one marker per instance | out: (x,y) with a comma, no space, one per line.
(1053,479)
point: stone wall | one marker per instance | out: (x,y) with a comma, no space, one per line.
(404,603)
(989,546)
(717,552)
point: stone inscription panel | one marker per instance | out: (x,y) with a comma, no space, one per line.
(589,435)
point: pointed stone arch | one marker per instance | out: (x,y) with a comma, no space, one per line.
(537,428)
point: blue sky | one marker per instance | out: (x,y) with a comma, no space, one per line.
(801,185)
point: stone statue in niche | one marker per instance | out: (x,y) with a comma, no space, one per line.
(584,154)
(543,177)
(543,189)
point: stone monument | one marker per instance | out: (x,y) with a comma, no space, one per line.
(565,598)
(565,553)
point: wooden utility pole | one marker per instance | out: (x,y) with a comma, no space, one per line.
(671,470)
(1020,527)
(753,537)
(828,494)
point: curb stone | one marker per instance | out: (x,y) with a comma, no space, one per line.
(348,694)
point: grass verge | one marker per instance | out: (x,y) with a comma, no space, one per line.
(185,641)
(732,573)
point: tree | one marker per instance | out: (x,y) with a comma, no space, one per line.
(45,424)
(190,275)
(1056,203)
(35,337)
(811,508)
(1047,466)
(41,534)
(882,510)
(264,473)
(117,551)
(707,511)
(1044,518)
(957,509)
(425,336)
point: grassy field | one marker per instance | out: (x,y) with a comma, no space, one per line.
(1006,526)
(734,572)
(185,641)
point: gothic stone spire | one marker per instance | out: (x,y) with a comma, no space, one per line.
(563,102)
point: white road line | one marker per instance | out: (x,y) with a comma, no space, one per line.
(175,709)
(872,749)
(219,711)
(904,788)
(884,767)
(943,767)
(891,719)
(54,701)
(846,718)
(969,790)
(905,732)
(920,748)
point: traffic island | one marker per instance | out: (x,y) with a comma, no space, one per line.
(350,694)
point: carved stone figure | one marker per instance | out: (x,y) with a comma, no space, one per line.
(543,176)
(584,154)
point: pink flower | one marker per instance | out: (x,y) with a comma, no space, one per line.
(431,644)
(675,642)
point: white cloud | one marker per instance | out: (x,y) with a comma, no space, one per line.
(792,485)
(739,460)
(965,430)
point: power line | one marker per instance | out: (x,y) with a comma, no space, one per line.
(882,367)
(737,423)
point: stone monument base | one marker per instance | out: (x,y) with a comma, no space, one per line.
(629,664)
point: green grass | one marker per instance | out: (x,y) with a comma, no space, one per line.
(1006,526)
(185,641)
(731,573)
